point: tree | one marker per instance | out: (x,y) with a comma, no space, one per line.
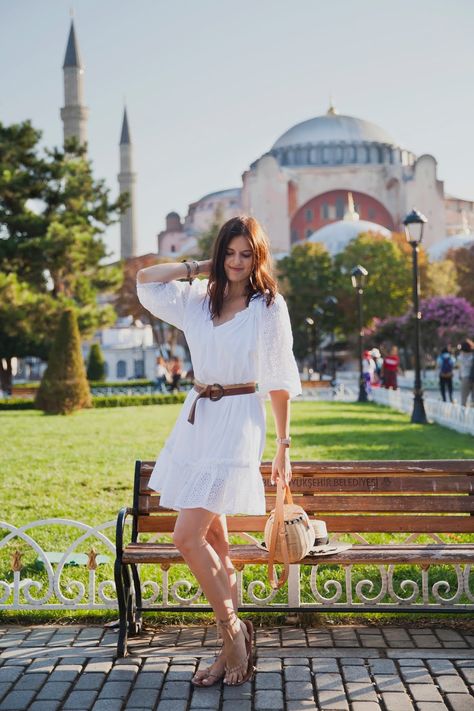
(463,260)
(96,363)
(64,387)
(27,319)
(306,277)
(53,213)
(389,284)
(442,279)
(206,239)
(446,321)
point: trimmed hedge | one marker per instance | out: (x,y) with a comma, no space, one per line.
(103,401)
(127,400)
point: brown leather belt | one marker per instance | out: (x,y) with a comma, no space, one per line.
(215,392)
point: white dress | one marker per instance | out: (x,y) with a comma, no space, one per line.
(215,463)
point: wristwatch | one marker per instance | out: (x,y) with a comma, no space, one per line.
(284,440)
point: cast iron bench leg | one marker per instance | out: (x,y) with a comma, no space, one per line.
(122,600)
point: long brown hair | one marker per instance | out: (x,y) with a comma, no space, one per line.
(261,280)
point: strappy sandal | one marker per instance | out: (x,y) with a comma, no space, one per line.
(208,675)
(247,664)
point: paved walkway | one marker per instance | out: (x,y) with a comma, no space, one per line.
(351,668)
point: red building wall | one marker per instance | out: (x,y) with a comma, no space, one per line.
(330,207)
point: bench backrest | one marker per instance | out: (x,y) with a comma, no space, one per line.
(366,496)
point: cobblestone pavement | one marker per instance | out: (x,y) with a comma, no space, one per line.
(350,668)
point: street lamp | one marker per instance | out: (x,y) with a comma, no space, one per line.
(358,278)
(414,224)
(311,344)
(331,303)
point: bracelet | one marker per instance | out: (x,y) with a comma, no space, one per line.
(188,270)
(284,440)
(196,267)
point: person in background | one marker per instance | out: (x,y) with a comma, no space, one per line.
(176,372)
(368,371)
(161,375)
(445,364)
(466,371)
(391,366)
(378,361)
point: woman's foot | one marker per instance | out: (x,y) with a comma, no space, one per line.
(237,648)
(210,675)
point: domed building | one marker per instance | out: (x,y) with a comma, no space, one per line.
(465,238)
(300,185)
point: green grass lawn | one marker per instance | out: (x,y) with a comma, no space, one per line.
(81,466)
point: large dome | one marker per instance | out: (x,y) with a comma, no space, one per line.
(337,235)
(334,128)
(440,249)
(332,140)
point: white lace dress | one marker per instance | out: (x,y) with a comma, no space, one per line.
(215,463)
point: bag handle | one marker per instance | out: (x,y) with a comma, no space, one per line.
(283,491)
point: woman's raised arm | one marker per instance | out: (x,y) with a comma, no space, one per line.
(168,272)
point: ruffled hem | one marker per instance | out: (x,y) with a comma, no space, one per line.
(223,487)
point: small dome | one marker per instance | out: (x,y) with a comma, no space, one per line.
(331,128)
(336,236)
(440,249)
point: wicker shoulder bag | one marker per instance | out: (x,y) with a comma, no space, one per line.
(289,535)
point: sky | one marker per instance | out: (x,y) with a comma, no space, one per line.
(211,84)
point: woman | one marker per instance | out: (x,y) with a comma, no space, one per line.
(390,368)
(239,334)
(162,375)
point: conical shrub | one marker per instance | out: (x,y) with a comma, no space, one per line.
(96,363)
(64,385)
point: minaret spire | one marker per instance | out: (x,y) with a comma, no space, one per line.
(74,113)
(127,178)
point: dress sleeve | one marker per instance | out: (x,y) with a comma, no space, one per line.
(168,300)
(277,369)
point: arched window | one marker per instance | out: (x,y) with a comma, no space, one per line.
(338,154)
(121,369)
(313,156)
(326,154)
(309,215)
(139,368)
(339,208)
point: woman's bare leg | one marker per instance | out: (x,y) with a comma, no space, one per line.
(217,536)
(189,537)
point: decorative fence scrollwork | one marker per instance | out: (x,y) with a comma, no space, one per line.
(32,579)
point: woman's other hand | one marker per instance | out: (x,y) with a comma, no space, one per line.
(281,466)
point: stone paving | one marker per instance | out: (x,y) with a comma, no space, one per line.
(339,668)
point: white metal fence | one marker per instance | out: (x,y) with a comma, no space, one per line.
(32,580)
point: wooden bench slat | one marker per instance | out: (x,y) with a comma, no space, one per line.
(451,484)
(345,467)
(385,503)
(348,524)
(363,554)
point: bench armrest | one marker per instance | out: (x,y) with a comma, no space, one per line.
(122,515)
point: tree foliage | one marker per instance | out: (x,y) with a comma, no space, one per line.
(64,387)
(463,260)
(306,278)
(53,214)
(205,241)
(96,363)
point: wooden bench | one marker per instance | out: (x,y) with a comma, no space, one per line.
(393,497)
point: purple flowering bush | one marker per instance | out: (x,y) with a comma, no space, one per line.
(446,320)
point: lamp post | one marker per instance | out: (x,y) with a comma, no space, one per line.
(331,303)
(311,344)
(358,278)
(414,224)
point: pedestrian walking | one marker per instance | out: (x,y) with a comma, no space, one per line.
(368,371)
(239,334)
(161,375)
(176,370)
(445,363)
(391,366)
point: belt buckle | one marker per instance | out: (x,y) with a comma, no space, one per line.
(220,392)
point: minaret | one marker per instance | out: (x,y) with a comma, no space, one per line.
(126,178)
(74,113)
